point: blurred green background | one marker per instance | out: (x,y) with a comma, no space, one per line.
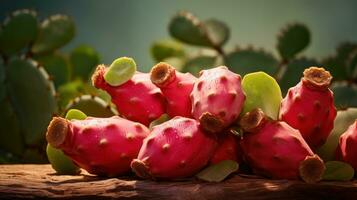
(128,28)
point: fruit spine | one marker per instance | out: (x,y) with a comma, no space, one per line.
(276,150)
(137,99)
(175,149)
(217,98)
(309,107)
(176,87)
(102,146)
(347,148)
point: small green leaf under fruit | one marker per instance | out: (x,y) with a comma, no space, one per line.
(163,118)
(244,61)
(338,171)
(218,172)
(55,32)
(161,50)
(75,114)
(292,40)
(262,91)
(60,162)
(120,71)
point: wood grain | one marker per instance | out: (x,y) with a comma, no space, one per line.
(40,181)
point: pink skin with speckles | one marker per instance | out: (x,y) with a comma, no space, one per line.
(176,87)
(228,149)
(102,146)
(217,98)
(347,149)
(310,108)
(138,99)
(175,149)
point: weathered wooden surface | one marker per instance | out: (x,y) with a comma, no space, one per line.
(40,181)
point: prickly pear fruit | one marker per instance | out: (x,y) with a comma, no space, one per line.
(347,148)
(309,107)
(176,87)
(137,99)
(102,146)
(276,150)
(217,98)
(227,149)
(175,149)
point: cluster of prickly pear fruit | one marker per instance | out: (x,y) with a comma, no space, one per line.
(39,81)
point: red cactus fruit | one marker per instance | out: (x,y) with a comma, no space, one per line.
(176,87)
(227,149)
(347,149)
(309,107)
(276,150)
(175,149)
(217,98)
(102,146)
(138,99)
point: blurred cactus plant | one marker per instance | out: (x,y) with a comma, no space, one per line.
(39,81)
(286,65)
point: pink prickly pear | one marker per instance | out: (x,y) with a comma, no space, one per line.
(176,87)
(137,99)
(347,149)
(228,149)
(175,149)
(217,98)
(276,150)
(309,106)
(102,146)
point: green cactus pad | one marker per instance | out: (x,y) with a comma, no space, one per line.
(177,62)
(2,81)
(19,30)
(32,95)
(343,120)
(60,162)
(336,67)
(345,94)
(83,61)
(344,50)
(34,156)
(11,139)
(189,29)
(55,32)
(8,158)
(56,66)
(120,71)
(352,64)
(294,71)
(92,106)
(292,40)
(218,172)
(244,61)
(196,64)
(161,50)
(75,114)
(338,171)
(163,118)
(261,91)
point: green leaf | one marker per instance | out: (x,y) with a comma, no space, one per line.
(261,91)
(161,50)
(56,66)
(83,60)
(189,29)
(32,95)
(55,32)
(18,31)
(292,40)
(93,106)
(196,64)
(60,162)
(218,172)
(244,61)
(294,71)
(120,71)
(338,171)
(343,120)
(163,118)
(345,95)
(75,114)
